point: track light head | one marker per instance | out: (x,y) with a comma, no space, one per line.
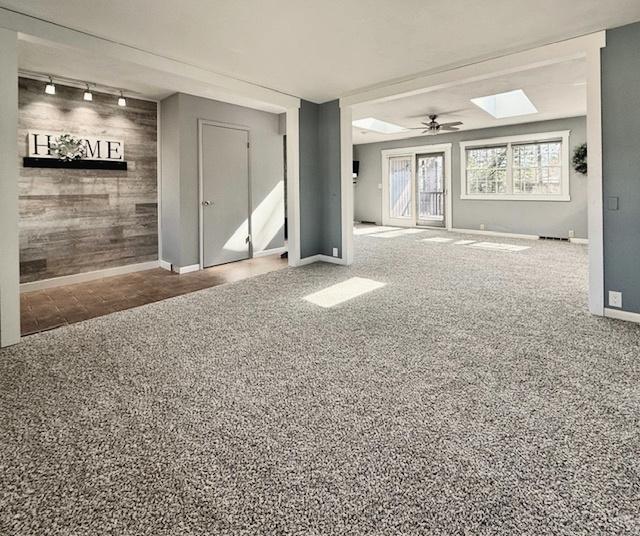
(88,96)
(122,101)
(50,88)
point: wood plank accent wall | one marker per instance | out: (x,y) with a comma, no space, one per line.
(79,220)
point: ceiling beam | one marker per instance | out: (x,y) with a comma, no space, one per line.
(218,86)
(484,70)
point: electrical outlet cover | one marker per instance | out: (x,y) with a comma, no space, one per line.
(615,298)
(335,252)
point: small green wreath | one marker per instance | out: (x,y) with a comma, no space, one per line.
(67,147)
(580,159)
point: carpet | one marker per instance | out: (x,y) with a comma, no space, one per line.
(471,394)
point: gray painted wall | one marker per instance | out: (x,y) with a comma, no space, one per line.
(621,163)
(546,218)
(311,216)
(179,125)
(320,181)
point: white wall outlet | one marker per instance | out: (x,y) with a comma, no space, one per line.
(380,186)
(572,233)
(482,227)
(335,252)
(615,298)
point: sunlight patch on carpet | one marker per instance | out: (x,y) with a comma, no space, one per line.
(342,292)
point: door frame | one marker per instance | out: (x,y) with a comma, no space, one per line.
(413,153)
(220,124)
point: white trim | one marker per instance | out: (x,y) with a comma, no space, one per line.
(579,240)
(413,152)
(9,240)
(509,141)
(595,211)
(293,186)
(346,182)
(622,315)
(267,252)
(186,269)
(321,258)
(209,122)
(87,276)
(496,233)
(159,178)
(164,265)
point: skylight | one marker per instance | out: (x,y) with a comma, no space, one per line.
(375,125)
(509,104)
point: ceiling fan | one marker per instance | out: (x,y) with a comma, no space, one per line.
(433,127)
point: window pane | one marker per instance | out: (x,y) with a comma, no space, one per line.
(487,170)
(400,187)
(537,168)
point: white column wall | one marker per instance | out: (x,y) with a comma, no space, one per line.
(9,248)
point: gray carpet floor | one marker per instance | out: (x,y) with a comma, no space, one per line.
(473,394)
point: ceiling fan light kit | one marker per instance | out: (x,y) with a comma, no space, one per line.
(433,128)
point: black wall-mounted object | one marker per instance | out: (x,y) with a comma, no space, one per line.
(356,168)
(73,164)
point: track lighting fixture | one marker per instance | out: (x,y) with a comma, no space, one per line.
(122,101)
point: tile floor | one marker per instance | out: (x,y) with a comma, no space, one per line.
(42,310)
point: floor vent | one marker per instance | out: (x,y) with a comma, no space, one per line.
(553,238)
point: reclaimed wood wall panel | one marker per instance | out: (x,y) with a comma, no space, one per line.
(79,220)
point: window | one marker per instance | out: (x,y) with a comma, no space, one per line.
(487,170)
(537,169)
(533,167)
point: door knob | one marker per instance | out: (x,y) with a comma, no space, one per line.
(207,203)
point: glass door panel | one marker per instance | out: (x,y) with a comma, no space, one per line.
(430,189)
(400,185)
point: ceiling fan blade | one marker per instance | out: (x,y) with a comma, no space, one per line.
(452,124)
(414,128)
(450,129)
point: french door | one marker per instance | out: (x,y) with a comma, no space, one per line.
(415,186)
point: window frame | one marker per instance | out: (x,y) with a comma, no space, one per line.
(509,141)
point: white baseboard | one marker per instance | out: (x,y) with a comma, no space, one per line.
(87,276)
(579,240)
(622,315)
(495,233)
(267,252)
(320,258)
(165,265)
(186,269)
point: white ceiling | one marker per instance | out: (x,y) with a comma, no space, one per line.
(556,91)
(320,50)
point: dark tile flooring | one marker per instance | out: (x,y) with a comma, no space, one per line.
(42,310)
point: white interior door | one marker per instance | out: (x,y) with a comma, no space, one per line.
(225,223)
